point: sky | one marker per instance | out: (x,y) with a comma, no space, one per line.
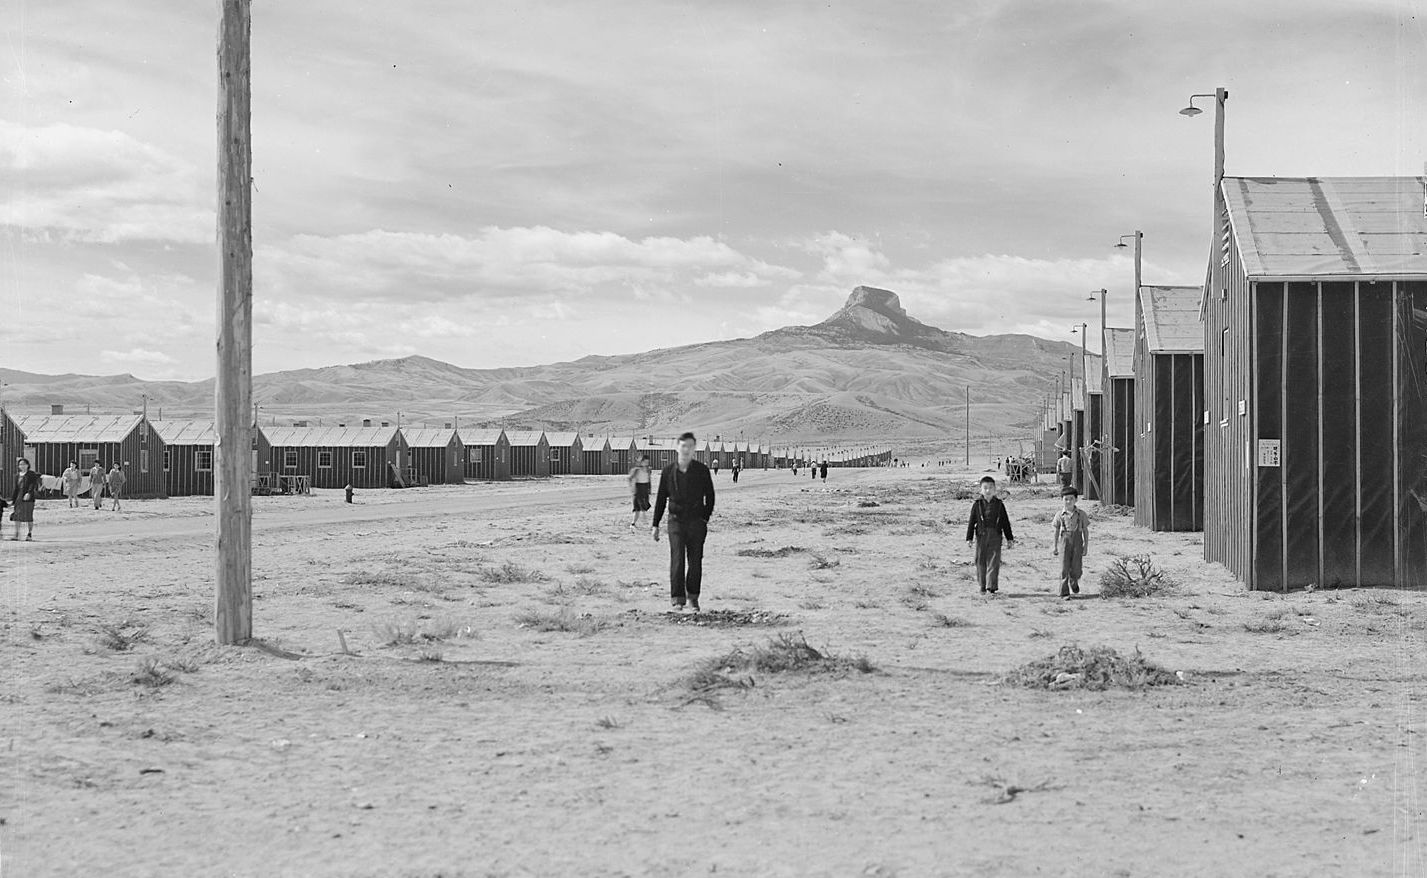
(498,184)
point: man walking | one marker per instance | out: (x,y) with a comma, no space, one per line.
(686,490)
(116,482)
(96,485)
(1064,467)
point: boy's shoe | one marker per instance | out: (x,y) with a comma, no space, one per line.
(983,591)
(694,604)
(1075,588)
(676,606)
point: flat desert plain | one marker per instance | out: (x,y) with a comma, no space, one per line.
(509,696)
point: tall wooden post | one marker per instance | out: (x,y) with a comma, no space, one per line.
(233,605)
(968,425)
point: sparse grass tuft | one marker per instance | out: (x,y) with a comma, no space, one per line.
(1268,624)
(402,632)
(430,654)
(511,572)
(1007,791)
(1136,576)
(588,585)
(379,577)
(822,562)
(608,723)
(785,654)
(866,605)
(580,568)
(941,620)
(152,673)
(812,604)
(121,637)
(1040,633)
(770,553)
(563,619)
(1097,668)
(1375,603)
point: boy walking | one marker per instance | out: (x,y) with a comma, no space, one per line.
(1071,532)
(686,489)
(987,525)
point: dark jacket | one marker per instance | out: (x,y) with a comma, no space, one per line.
(29,483)
(689,495)
(990,519)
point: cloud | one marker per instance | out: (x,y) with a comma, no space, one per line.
(138,357)
(499,263)
(847,258)
(87,185)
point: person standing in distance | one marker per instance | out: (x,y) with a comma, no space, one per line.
(639,486)
(686,490)
(27,490)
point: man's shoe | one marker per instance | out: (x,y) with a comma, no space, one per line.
(694,604)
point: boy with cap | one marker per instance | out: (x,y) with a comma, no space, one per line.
(988,523)
(1071,531)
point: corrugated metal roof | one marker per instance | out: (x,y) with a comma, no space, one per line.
(1120,350)
(480,436)
(561,440)
(41,429)
(594,443)
(186,432)
(329,437)
(524,438)
(428,437)
(1173,324)
(1094,374)
(1329,226)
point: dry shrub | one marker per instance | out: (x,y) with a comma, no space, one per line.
(770,553)
(579,568)
(563,619)
(511,572)
(784,654)
(588,585)
(1106,510)
(1134,576)
(121,637)
(1097,668)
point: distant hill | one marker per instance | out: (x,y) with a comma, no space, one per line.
(870,370)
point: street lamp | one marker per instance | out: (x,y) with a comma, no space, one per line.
(1139,237)
(1220,96)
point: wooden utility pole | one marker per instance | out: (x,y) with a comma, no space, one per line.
(233,604)
(968,425)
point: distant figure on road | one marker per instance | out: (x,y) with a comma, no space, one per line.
(737,467)
(988,523)
(96,484)
(72,478)
(823,470)
(686,489)
(639,486)
(1071,532)
(1064,467)
(715,465)
(26,490)
(115,481)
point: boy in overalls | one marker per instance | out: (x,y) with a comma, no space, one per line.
(1071,530)
(987,524)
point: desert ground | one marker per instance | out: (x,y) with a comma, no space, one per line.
(509,696)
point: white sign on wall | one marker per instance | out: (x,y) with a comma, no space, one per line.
(1269,452)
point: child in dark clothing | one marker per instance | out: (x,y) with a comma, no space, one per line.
(987,525)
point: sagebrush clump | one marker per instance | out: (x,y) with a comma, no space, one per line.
(1134,576)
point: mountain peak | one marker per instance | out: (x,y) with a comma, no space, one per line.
(877,316)
(874,299)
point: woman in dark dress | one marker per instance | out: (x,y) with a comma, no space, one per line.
(27,488)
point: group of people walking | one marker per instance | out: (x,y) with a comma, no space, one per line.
(686,494)
(29,483)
